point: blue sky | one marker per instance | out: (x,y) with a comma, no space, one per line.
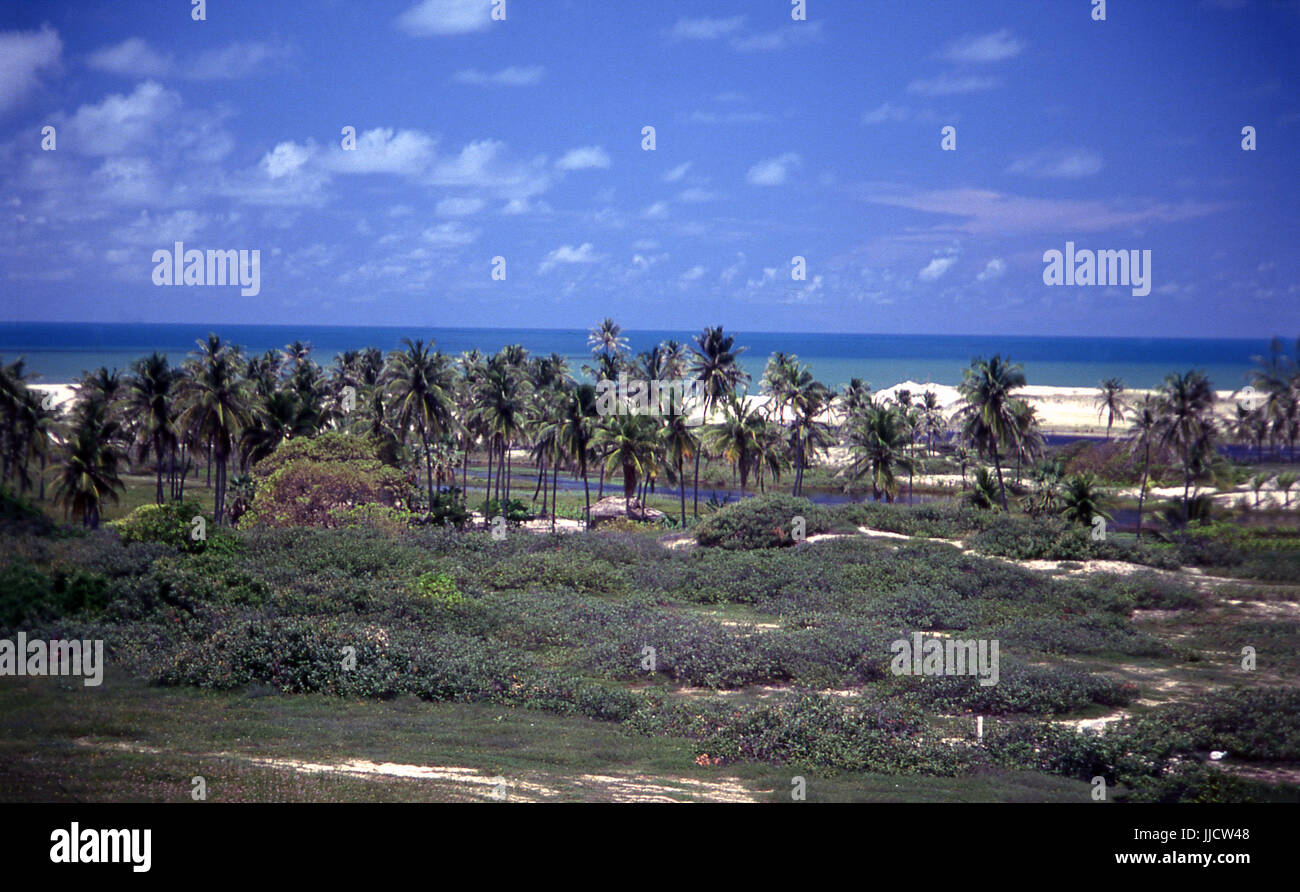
(775,138)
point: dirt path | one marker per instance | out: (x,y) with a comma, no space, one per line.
(488,787)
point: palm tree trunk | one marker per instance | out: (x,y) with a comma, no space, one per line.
(697,482)
(681,487)
(1002,487)
(428,467)
(487,492)
(586,488)
(555,485)
(1146,466)
(541,476)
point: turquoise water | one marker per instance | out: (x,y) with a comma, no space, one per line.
(61,352)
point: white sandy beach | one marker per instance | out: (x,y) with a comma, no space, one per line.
(1061,410)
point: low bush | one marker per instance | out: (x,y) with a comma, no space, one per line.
(761,522)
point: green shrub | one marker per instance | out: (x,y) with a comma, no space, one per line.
(440,589)
(761,522)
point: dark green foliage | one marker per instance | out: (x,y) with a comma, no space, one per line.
(761,522)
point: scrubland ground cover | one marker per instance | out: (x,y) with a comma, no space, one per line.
(605,665)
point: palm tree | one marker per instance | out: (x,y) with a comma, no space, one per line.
(150,400)
(1284,484)
(878,440)
(607,337)
(736,437)
(1257,483)
(1188,425)
(215,402)
(989,418)
(419,383)
(716,366)
(502,408)
(1143,433)
(1082,500)
(276,418)
(629,443)
(680,443)
(984,490)
(575,427)
(1111,403)
(93,455)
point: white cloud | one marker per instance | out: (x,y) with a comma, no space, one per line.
(947,85)
(693,274)
(656,211)
(992,270)
(513,76)
(677,172)
(993,47)
(130,58)
(886,113)
(734,270)
(1058,163)
(584,158)
(770,41)
(584,253)
(936,268)
(774,171)
(286,159)
(735,117)
(22,54)
(484,164)
(459,207)
(384,150)
(449,235)
(121,123)
(705,29)
(696,196)
(234,61)
(435,17)
(134,57)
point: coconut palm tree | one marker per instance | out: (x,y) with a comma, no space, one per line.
(716,366)
(1143,434)
(1110,403)
(1082,500)
(275,419)
(215,407)
(1188,425)
(93,456)
(629,445)
(878,442)
(985,490)
(737,435)
(607,337)
(989,417)
(1258,482)
(503,399)
(680,443)
(1284,484)
(575,427)
(150,400)
(420,397)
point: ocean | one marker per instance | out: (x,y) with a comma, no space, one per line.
(61,352)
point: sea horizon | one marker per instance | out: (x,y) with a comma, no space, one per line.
(61,352)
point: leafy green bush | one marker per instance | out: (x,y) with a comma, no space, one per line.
(171,524)
(761,522)
(440,589)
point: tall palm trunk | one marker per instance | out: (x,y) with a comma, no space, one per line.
(555,485)
(586,488)
(487,492)
(697,483)
(1146,466)
(1002,487)
(681,488)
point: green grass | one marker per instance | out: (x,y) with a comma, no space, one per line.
(128,742)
